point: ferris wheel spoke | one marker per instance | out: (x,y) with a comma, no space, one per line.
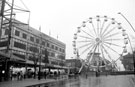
(86,33)
(94,29)
(90,32)
(103,55)
(107,27)
(84,41)
(112,35)
(102,27)
(91,57)
(120,56)
(107,52)
(86,49)
(109,31)
(98,21)
(118,39)
(84,45)
(85,37)
(110,57)
(113,44)
(91,50)
(111,49)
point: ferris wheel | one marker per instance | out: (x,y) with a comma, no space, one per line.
(98,40)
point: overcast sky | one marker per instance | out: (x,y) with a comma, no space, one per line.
(62,17)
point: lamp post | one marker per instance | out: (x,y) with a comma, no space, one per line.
(127,21)
(39,73)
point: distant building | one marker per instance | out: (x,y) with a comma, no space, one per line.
(73,64)
(128,61)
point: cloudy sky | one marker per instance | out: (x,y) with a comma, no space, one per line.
(62,17)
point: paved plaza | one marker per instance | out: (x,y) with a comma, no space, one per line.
(81,81)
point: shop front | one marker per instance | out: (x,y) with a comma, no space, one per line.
(9,65)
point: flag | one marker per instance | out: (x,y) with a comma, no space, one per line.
(40,28)
(49,32)
(57,36)
(46,57)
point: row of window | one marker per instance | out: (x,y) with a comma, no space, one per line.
(24,36)
(56,48)
(33,49)
(17,33)
(22,45)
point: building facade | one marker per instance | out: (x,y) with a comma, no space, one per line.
(128,61)
(27,46)
(73,65)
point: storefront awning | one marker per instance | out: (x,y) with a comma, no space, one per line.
(15,58)
(4,54)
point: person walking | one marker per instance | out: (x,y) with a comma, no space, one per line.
(45,74)
(21,75)
(18,75)
(55,75)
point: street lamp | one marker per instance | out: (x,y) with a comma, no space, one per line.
(127,21)
(39,73)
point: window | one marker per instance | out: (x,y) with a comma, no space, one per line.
(32,39)
(63,50)
(3,43)
(48,53)
(60,49)
(24,36)
(34,49)
(43,43)
(43,52)
(52,54)
(19,45)
(54,62)
(37,40)
(6,31)
(56,48)
(52,47)
(17,33)
(48,44)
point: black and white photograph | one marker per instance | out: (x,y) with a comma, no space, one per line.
(67,43)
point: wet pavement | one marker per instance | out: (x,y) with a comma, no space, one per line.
(92,81)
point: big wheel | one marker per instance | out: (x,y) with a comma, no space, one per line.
(100,41)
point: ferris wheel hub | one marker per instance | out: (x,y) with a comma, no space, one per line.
(98,40)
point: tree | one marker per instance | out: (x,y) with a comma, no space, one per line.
(35,60)
(46,60)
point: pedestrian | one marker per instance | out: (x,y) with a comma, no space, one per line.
(45,74)
(11,73)
(97,73)
(58,74)
(55,75)
(21,75)
(86,75)
(18,75)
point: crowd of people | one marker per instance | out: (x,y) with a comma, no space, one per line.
(19,75)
